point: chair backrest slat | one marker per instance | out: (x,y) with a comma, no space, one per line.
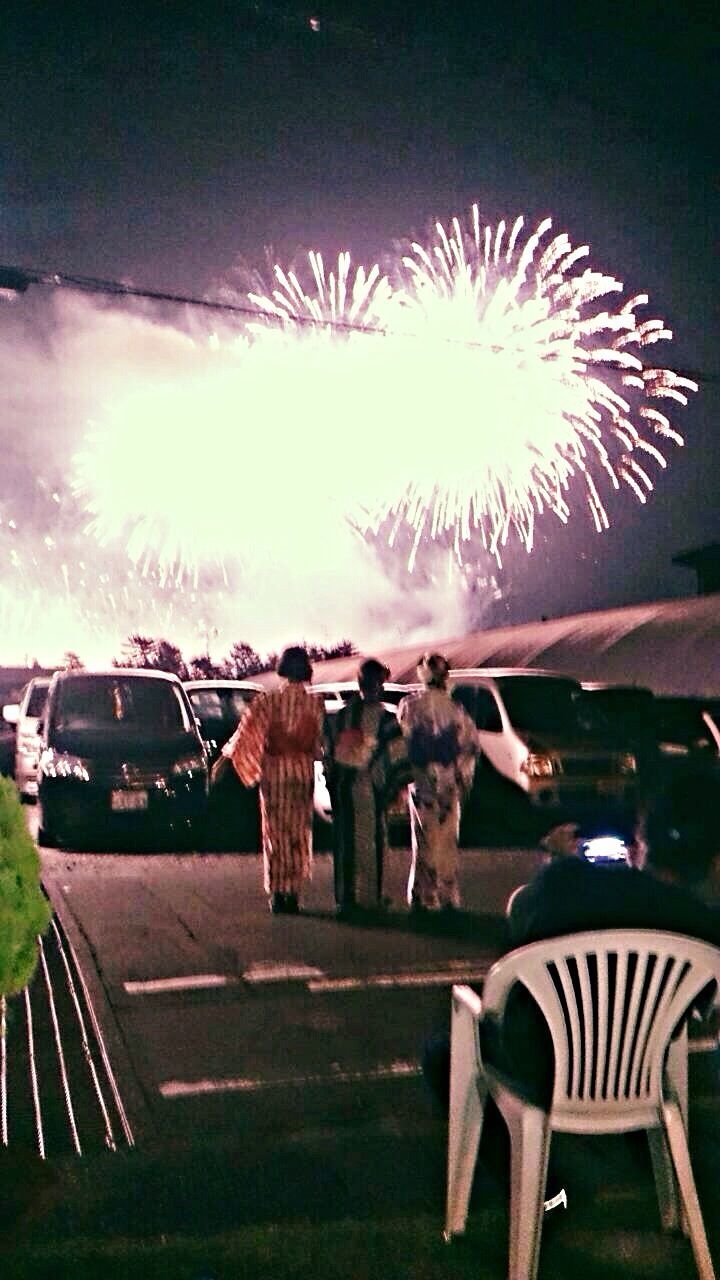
(603,1024)
(588,1010)
(611,1073)
(612,999)
(653,999)
(571,1016)
(635,978)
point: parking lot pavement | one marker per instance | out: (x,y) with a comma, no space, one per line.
(210,994)
(270,1066)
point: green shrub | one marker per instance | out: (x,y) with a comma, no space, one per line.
(24,910)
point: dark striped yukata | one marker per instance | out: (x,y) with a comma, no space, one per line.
(275,745)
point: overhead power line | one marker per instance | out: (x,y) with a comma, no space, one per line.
(15,279)
(18,280)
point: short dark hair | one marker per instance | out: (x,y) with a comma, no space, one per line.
(373,667)
(682,834)
(295,664)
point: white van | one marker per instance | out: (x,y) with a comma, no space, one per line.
(541,753)
(26,715)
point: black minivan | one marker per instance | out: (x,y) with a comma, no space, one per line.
(121,757)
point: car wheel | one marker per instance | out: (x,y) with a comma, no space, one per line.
(51,833)
(46,837)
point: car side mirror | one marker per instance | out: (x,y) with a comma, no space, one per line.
(11,712)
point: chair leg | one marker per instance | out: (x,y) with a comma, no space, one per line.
(529,1153)
(665,1184)
(691,1205)
(467,1109)
(677,1072)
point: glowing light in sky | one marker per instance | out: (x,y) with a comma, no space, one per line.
(483,381)
(522,381)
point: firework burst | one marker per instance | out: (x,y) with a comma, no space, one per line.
(333,301)
(484,380)
(524,381)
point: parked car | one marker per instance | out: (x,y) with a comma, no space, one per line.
(233,818)
(687,728)
(26,716)
(218,706)
(543,760)
(670,736)
(121,756)
(341,691)
(8,739)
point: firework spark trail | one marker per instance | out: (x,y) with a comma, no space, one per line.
(543,386)
(482,381)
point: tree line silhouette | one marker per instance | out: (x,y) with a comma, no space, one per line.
(241,663)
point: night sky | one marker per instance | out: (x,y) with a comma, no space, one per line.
(162,143)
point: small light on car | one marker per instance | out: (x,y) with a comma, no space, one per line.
(538,766)
(60,764)
(189,764)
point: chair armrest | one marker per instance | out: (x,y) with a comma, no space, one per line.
(465,997)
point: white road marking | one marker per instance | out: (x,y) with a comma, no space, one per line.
(436,978)
(271,972)
(317,980)
(188,982)
(241,1084)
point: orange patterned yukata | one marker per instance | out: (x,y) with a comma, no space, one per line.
(275,745)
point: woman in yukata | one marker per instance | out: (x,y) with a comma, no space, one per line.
(276,744)
(443,746)
(363,745)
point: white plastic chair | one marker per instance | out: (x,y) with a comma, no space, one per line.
(612,1000)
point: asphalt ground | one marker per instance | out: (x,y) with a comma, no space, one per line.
(280,1094)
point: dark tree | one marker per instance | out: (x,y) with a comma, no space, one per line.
(158,655)
(138,651)
(169,658)
(203,668)
(242,662)
(321,653)
(71,662)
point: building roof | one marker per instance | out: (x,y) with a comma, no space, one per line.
(670,646)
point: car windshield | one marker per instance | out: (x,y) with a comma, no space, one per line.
(117,703)
(542,704)
(220,704)
(681,724)
(629,711)
(37,700)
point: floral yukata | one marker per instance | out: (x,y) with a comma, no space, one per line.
(362,742)
(442,744)
(276,744)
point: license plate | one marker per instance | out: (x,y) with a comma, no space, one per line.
(125,800)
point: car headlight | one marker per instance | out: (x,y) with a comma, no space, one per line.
(61,764)
(536,765)
(190,764)
(628,763)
